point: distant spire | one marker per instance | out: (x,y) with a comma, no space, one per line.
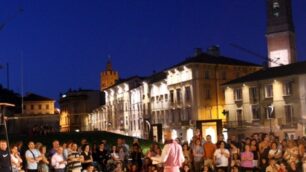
(109,63)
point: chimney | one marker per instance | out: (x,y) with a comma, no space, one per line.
(214,50)
(197,51)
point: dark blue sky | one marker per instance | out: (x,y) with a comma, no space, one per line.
(65,43)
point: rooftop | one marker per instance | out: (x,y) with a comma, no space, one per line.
(275,72)
(35,97)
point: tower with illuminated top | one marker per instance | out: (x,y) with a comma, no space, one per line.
(280,33)
(108,76)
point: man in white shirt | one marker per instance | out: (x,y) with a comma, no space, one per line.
(172,155)
(58,161)
(33,156)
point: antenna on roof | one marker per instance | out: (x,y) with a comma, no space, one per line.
(265,58)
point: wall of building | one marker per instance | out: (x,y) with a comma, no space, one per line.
(38,107)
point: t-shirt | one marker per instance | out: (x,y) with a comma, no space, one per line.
(74,164)
(209,149)
(32,154)
(4,161)
(247,163)
(220,158)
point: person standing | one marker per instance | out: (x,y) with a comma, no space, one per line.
(74,159)
(15,159)
(33,157)
(221,157)
(198,153)
(5,165)
(172,155)
(209,149)
(58,161)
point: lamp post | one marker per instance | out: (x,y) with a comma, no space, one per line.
(3,122)
(270,111)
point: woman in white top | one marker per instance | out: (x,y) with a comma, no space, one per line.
(274,152)
(16,160)
(221,157)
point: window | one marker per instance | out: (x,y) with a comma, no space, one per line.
(162,117)
(253,94)
(24,107)
(171,116)
(178,95)
(187,93)
(39,107)
(47,106)
(255,112)
(171,96)
(239,117)
(288,88)
(289,113)
(237,94)
(32,107)
(270,112)
(177,115)
(166,97)
(189,113)
(161,97)
(186,114)
(268,91)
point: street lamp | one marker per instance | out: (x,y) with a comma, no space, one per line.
(3,122)
(270,111)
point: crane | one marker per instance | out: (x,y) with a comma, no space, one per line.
(265,58)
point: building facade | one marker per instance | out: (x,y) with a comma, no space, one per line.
(38,116)
(74,107)
(36,104)
(185,96)
(271,100)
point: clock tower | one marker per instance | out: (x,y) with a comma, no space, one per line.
(280,33)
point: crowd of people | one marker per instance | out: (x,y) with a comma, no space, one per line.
(259,152)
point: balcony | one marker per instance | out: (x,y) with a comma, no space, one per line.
(237,124)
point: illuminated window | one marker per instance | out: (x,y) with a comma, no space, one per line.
(237,94)
(255,112)
(288,88)
(289,113)
(268,91)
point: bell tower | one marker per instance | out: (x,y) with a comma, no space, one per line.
(108,76)
(280,33)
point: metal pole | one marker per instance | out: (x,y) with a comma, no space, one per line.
(270,125)
(7,76)
(6,135)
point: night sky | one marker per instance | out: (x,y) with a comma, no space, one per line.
(65,43)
